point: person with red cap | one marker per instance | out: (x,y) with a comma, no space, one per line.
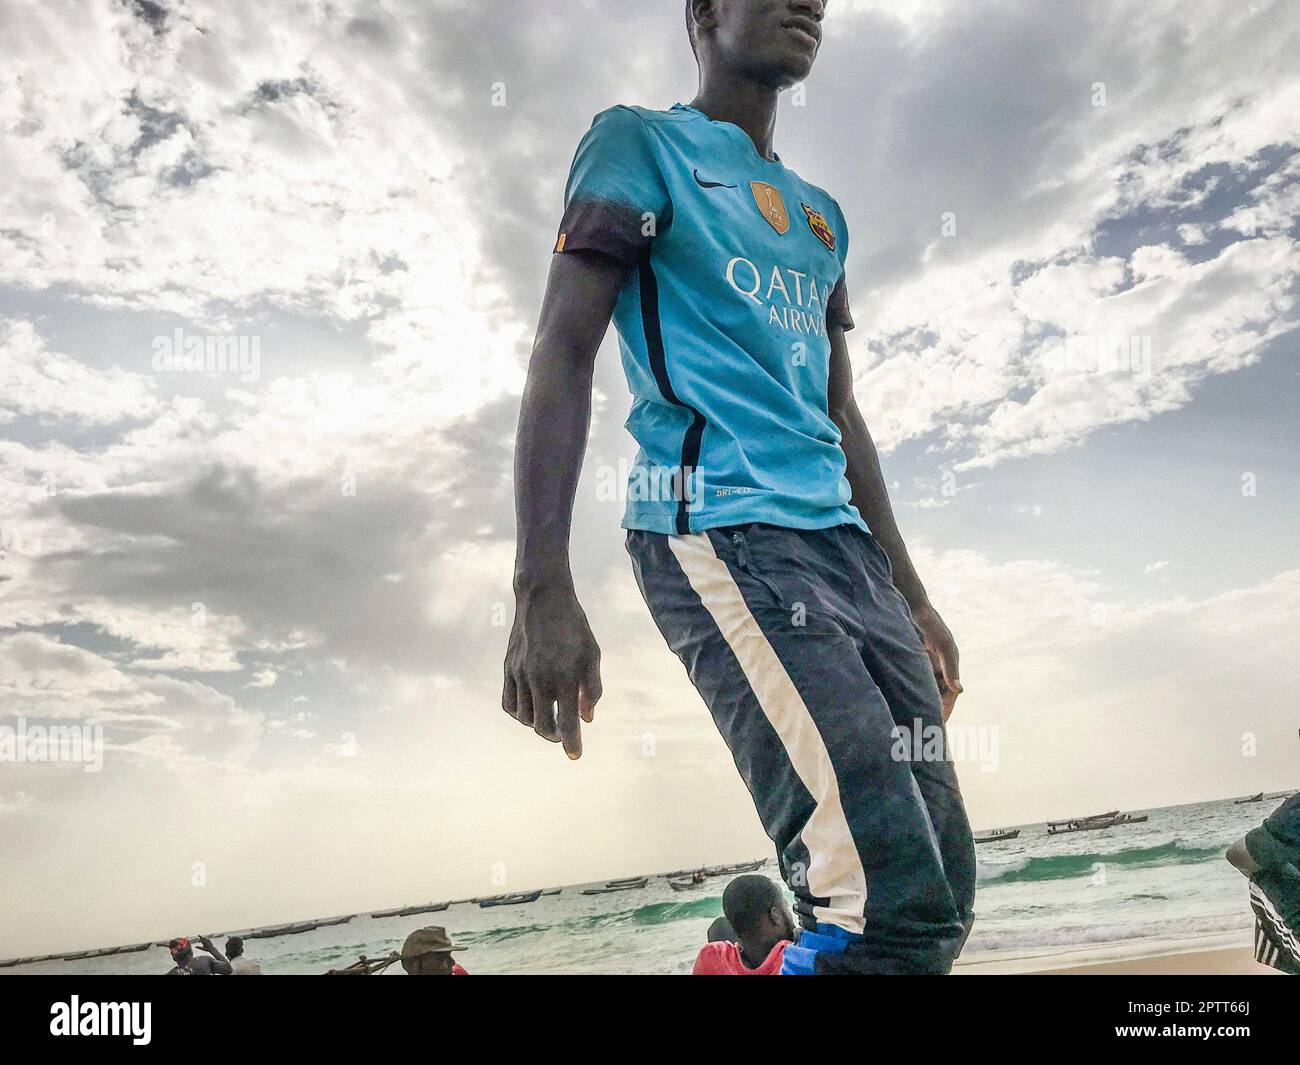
(182,952)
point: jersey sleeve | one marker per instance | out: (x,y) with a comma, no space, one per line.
(838,315)
(616,200)
(1276,843)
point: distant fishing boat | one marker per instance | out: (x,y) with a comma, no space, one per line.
(511,900)
(732,870)
(625,880)
(280,930)
(331,922)
(552,891)
(1252,798)
(129,949)
(8,962)
(627,885)
(428,907)
(1091,817)
(294,929)
(81,955)
(998,834)
(407,911)
(687,883)
(1094,823)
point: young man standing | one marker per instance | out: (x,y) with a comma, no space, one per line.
(758,521)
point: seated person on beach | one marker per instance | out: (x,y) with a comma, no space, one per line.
(1270,856)
(187,964)
(240,965)
(764,926)
(427,952)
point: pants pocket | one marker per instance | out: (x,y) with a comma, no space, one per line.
(743,553)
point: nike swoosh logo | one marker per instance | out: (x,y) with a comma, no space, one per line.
(711,184)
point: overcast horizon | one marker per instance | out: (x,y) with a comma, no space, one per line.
(282,586)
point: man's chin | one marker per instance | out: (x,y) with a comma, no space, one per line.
(788,74)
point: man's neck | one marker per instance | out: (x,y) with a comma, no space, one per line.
(753,955)
(743,103)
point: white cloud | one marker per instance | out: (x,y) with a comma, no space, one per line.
(37,381)
(263,678)
(144,714)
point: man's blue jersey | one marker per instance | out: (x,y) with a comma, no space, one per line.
(738,268)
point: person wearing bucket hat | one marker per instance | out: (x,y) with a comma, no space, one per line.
(427,952)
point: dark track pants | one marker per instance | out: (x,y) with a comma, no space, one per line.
(808,659)
(1277,932)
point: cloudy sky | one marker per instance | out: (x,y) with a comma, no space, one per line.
(282,589)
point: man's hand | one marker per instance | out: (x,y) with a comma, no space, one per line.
(942,649)
(205,943)
(552,661)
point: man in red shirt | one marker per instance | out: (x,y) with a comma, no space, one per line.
(756,909)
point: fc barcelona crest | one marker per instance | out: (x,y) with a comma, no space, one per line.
(771,206)
(818,224)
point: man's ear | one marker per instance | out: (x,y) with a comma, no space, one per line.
(706,13)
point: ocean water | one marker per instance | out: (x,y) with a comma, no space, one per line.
(1162,880)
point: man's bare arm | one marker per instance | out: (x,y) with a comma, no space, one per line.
(553,660)
(872,499)
(1242,859)
(220,966)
